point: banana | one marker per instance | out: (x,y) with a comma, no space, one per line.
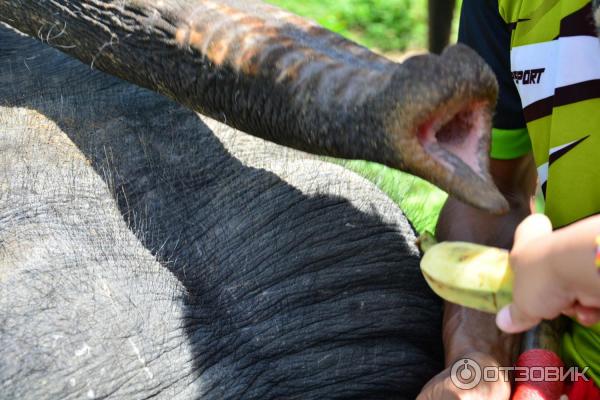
(467,274)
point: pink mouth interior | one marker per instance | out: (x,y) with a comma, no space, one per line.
(460,136)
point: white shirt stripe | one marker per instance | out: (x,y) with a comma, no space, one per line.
(567,61)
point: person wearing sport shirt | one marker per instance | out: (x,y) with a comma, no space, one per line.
(546,56)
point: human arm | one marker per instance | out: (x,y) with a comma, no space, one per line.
(467,332)
(512,168)
(555,273)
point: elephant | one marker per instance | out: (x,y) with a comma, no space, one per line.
(146,251)
(236,61)
(149,251)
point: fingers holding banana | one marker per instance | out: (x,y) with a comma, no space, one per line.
(545,275)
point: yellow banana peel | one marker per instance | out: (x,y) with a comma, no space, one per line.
(467,274)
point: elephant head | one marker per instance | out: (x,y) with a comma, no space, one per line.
(285,79)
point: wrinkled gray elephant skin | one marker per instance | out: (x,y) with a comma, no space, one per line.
(147,252)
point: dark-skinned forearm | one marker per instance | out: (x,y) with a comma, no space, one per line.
(466,330)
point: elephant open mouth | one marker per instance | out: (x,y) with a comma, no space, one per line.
(457,135)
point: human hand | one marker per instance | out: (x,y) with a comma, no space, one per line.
(445,386)
(551,276)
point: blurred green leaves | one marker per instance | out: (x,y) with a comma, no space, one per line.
(386,25)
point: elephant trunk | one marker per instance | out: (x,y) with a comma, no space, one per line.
(277,76)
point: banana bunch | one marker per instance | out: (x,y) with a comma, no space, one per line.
(467,274)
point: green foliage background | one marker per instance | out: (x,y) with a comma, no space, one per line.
(385,25)
(388,26)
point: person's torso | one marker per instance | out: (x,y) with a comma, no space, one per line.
(555,62)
